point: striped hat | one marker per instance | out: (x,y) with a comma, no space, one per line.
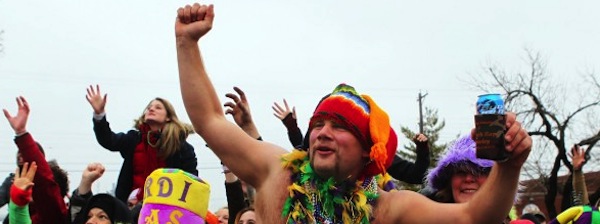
(583,214)
(174,196)
(361,116)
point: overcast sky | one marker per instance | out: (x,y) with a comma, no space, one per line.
(298,50)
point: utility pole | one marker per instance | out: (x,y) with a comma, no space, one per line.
(420,99)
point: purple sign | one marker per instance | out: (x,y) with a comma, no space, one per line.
(158,213)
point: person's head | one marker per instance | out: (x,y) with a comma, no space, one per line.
(349,136)
(61,177)
(106,209)
(459,173)
(245,216)
(223,214)
(534,210)
(160,113)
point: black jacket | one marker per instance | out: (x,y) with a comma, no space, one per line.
(125,143)
(235,199)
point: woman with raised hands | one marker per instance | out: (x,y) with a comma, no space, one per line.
(157,140)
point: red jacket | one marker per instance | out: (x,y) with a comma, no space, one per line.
(48,205)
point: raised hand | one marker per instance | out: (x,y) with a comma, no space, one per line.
(518,141)
(194,21)
(24,179)
(239,108)
(92,172)
(281,113)
(19,122)
(95,98)
(420,139)
(577,157)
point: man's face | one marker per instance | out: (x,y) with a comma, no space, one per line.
(335,151)
(464,185)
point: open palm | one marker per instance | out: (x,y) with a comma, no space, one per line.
(95,98)
(18,122)
(24,178)
(239,108)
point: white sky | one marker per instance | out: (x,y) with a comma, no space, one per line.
(298,50)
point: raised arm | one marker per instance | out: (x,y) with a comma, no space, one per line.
(491,203)
(580,196)
(104,135)
(46,189)
(20,194)
(288,117)
(409,172)
(235,194)
(96,99)
(497,195)
(202,104)
(239,109)
(83,193)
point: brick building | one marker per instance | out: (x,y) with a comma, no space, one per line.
(533,191)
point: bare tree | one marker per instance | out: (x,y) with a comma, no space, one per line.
(553,113)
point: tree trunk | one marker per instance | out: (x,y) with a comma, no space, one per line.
(551,186)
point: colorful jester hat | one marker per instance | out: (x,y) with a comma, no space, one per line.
(369,123)
(459,155)
(174,196)
(582,214)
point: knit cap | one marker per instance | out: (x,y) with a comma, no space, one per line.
(174,196)
(115,209)
(461,154)
(534,210)
(361,116)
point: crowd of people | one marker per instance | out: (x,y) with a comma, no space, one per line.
(339,171)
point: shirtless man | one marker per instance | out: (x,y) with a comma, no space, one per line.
(337,153)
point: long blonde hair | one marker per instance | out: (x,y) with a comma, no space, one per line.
(172,133)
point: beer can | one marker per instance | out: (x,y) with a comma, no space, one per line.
(490,127)
(490,104)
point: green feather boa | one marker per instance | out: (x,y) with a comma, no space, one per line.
(316,200)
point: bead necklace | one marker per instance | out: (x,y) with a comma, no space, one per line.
(316,200)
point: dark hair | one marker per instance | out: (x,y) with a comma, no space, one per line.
(41,148)
(445,194)
(61,177)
